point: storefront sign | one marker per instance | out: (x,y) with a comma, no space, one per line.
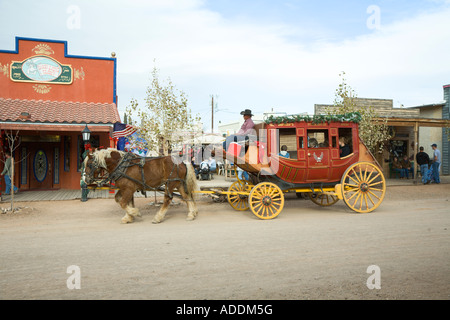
(41,69)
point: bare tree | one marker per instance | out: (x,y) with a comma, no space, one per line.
(13,143)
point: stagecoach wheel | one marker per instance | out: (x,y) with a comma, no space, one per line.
(363,187)
(266,200)
(322,199)
(238,201)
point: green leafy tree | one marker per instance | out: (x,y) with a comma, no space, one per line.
(165,120)
(373,131)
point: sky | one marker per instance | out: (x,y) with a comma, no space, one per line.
(262,55)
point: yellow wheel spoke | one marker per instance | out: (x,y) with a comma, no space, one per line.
(357,182)
(374,195)
(368,195)
(368,177)
(368,182)
(365,200)
(374,184)
(357,192)
(360,173)
(351,190)
(355,174)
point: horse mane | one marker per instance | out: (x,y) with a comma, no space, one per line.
(100,156)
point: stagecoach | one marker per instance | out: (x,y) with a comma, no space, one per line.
(315,166)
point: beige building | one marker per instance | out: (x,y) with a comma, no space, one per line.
(412,127)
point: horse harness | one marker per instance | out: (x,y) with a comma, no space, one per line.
(127,161)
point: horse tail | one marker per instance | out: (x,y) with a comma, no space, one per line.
(191,180)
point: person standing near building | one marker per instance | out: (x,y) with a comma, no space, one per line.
(7,173)
(423,160)
(436,163)
(406,167)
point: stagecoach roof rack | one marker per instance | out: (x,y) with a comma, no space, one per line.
(316,119)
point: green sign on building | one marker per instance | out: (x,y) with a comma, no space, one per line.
(41,69)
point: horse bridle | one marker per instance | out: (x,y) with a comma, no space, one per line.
(93,167)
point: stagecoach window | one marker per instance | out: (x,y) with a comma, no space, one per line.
(288,137)
(318,138)
(347,134)
(300,142)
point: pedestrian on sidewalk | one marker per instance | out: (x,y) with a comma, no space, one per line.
(436,163)
(423,161)
(7,173)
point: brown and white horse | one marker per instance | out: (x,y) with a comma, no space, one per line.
(131,173)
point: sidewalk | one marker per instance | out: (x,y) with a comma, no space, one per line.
(218,181)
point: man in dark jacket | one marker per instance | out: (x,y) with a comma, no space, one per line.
(423,160)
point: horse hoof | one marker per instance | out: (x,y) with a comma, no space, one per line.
(154,221)
(190,218)
(127,220)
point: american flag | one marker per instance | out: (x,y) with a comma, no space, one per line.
(122,130)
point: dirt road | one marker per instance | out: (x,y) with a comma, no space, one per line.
(307,252)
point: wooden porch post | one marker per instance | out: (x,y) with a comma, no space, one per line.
(416,143)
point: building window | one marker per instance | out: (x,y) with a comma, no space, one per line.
(23,165)
(56,166)
(66,153)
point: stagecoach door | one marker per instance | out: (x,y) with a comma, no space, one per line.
(318,154)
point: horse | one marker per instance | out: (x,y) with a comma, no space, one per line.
(132,173)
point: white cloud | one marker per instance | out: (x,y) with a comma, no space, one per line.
(260,67)
(247,64)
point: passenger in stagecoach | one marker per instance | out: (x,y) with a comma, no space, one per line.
(312,143)
(344,148)
(245,130)
(284,152)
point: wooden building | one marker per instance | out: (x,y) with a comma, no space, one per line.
(48,97)
(412,127)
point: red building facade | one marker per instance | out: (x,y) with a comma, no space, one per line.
(47,97)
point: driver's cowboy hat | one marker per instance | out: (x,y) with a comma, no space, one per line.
(247,112)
